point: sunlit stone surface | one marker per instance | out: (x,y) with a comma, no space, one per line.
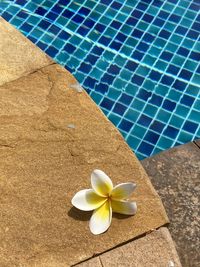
(43,163)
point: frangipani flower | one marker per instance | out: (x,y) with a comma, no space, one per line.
(104,199)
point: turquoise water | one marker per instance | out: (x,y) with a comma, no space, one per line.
(138,60)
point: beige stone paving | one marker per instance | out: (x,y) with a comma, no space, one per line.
(18,56)
(154,250)
(43,162)
(175,173)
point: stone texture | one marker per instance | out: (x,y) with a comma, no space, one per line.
(43,162)
(18,56)
(153,250)
(94,262)
(176,175)
(197,142)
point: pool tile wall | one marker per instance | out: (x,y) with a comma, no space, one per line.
(139,61)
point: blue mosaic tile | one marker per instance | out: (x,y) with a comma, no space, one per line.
(138,60)
(125,125)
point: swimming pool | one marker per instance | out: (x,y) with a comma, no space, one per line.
(138,60)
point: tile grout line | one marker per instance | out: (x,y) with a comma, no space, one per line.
(123,55)
(123,243)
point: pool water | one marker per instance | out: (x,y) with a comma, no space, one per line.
(138,60)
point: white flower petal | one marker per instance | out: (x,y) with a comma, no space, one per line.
(87,200)
(101,219)
(123,191)
(101,183)
(124,207)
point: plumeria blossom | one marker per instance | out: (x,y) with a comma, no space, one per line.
(104,199)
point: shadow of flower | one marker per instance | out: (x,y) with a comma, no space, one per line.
(120,216)
(79,215)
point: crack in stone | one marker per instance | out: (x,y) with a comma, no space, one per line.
(196,144)
(7,146)
(29,73)
(50,81)
(100,261)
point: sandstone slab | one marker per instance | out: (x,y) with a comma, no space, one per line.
(176,175)
(18,56)
(44,161)
(153,250)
